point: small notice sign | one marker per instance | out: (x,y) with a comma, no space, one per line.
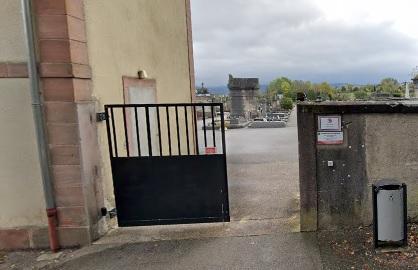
(329,123)
(210,150)
(330,138)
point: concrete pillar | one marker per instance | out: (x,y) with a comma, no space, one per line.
(307,170)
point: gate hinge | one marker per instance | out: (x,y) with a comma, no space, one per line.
(112,213)
(101,116)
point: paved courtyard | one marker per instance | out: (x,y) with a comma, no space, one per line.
(263,172)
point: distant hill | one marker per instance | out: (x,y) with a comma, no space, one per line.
(338,85)
(223,89)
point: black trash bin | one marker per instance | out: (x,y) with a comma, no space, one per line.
(389,213)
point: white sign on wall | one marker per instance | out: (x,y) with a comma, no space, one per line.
(329,138)
(329,123)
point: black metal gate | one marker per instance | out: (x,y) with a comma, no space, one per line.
(168,163)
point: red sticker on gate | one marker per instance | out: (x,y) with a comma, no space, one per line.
(210,150)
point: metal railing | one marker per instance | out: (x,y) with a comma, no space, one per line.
(140,130)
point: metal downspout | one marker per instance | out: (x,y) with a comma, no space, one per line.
(40,126)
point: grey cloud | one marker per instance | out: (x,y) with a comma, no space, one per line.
(268,38)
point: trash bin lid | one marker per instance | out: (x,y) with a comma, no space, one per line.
(388,184)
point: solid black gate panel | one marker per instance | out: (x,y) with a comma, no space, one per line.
(169,190)
(184,182)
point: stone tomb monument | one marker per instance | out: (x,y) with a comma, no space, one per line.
(243,94)
(415,86)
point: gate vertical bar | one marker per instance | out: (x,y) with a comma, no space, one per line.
(223,129)
(159,130)
(195,130)
(109,139)
(138,139)
(178,130)
(187,129)
(213,126)
(168,129)
(126,130)
(114,132)
(204,126)
(148,131)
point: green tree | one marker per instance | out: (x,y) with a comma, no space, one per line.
(285,88)
(342,96)
(286,103)
(275,87)
(327,89)
(368,88)
(390,86)
(289,89)
(311,94)
(323,90)
(301,86)
(361,94)
(285,79)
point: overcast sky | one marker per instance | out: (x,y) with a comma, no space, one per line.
(357,41)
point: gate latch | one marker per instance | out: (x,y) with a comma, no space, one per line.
(101,116)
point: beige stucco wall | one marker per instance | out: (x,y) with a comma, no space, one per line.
(131,35)
(21,195)
(12,45)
